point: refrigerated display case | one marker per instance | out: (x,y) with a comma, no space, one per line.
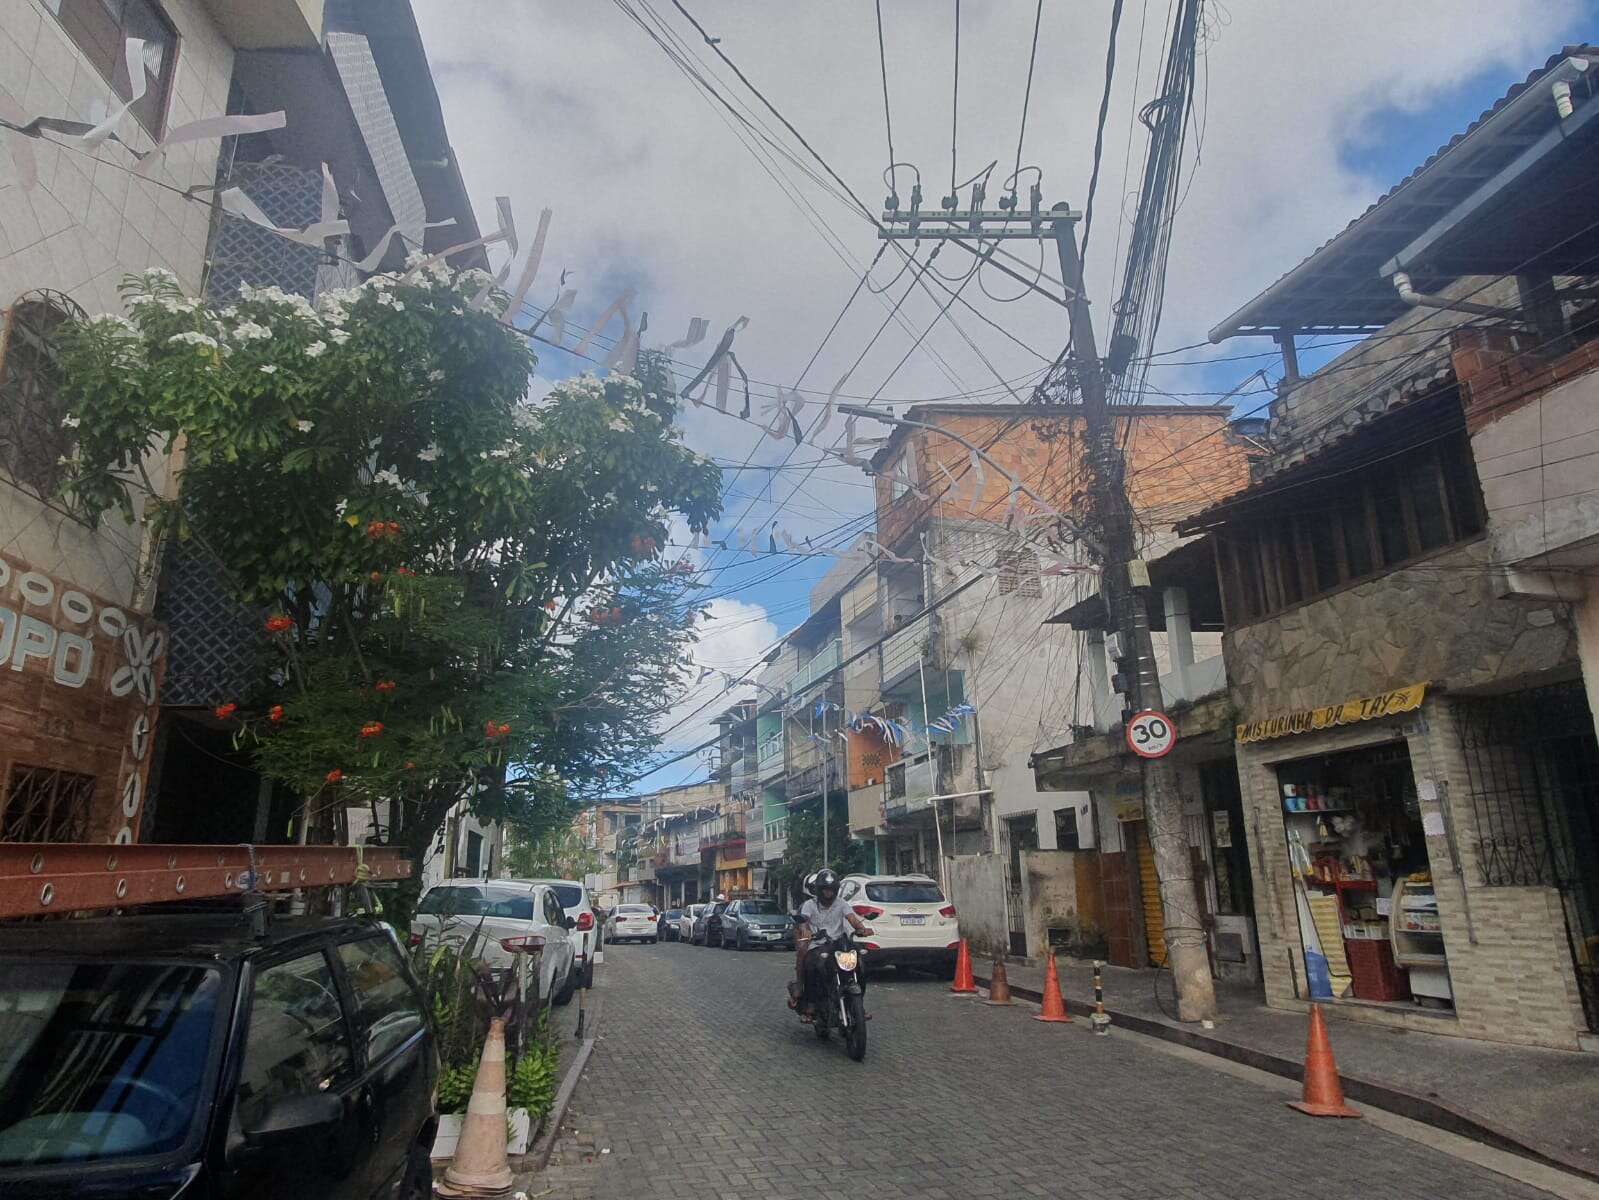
(1418,939)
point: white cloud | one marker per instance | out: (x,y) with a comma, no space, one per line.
(571,105)
(732,637)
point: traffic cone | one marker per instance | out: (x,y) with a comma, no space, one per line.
(964,984)
(1054,1008)
(998,985)
(479,1168)
(1323,1094)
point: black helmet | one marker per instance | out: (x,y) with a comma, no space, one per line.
(824,881)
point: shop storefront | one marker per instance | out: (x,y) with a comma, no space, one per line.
(1380,833)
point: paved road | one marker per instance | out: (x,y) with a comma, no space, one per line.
(704,1086)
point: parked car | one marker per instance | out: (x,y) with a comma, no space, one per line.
(666,924)
(505,915)
(913,925)
(633,923)
(757,924)
(186,1053)
(586,936)
(708,925)
(685,923)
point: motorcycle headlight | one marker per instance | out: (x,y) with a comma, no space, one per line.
(845,960)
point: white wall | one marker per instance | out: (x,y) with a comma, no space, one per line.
(87,222)
(1016,793)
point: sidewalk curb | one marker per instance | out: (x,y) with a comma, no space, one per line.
(556,1117)
(1425,1109)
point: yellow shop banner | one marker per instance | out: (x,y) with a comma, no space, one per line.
(1309,720)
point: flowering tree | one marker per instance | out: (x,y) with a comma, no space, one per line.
(468,591)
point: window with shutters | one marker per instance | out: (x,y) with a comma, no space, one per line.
(101,29)
(1019,573)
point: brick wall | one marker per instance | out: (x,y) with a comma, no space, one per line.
(78,681)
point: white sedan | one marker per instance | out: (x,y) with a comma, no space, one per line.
(633,923)
(499,920)
(685,923)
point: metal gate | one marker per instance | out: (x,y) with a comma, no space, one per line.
(1533,763)
(1023,833)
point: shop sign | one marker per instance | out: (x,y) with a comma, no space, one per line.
(1310,720)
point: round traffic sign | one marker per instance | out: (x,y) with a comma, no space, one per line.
(1151,734)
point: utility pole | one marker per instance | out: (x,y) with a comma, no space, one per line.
(1111,521)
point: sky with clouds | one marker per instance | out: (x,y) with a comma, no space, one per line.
(1307,112)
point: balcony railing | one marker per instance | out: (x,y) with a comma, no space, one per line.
(769,756)
(906,783)
(825,660)
(905,648)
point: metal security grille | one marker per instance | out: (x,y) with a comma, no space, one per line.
(1533,763)
(33,442)
(42,805)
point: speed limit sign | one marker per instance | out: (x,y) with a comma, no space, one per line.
(1151,734)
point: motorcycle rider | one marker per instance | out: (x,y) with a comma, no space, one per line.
(826,914)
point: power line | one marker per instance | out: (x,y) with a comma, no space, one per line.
(888,118)
(1027,96)
(1099,130)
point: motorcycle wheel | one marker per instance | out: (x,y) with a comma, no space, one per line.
(855,1035)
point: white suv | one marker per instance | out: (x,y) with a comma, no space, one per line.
(575,899)
(913,925)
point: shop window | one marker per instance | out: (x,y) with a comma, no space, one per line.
(1324,534)
(33,441)
(101,28)
(45,805)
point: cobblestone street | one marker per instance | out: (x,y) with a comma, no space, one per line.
(703,1085)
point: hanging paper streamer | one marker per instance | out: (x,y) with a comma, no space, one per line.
(236,202)
(133,61)
(557,315)
(18,144)
(698,327)
(979,480)
(530,269)
(371,261)
(617,308)
(215,127)
(718,361)
(623,358)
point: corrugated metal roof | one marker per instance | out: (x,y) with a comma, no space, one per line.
(1358,299)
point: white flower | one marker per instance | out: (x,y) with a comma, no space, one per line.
(435,375)
(340,336)
(619,425)
(116,321)
(502,452)
(338,509)
(431,454)
(316,349)
(192,338)
(305,426)
(250,331)
(268,369)
(160,273)
(387,476)
(69,422)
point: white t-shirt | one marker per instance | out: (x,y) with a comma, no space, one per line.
(833,920)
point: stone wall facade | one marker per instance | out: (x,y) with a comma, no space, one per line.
(1436,622)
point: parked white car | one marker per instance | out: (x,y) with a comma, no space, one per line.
(633,923)
(913,925)
(508,916)
(586,944)
(685,923)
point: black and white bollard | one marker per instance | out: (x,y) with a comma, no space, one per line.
(1100,1019)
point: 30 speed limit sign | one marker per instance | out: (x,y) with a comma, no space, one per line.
(1151,734)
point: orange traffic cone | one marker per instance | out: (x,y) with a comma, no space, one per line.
(479,1168)
(1054,1008)
(1323,1095)
(964,984)
(998,985)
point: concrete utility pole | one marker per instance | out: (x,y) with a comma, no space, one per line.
(1113,537)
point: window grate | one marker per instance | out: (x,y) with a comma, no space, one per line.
(33,441)
(45,805)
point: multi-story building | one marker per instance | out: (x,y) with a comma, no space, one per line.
(80,707)
(1409,599)
(953,624)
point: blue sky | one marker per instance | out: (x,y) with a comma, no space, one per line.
(1311,111)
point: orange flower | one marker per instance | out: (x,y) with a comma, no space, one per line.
(376,577)
(410,766)
(406,571)
(391,528)
(335,775)
(374,529)
(385,686)
(616,616)
(275,713)
(503,730)
(372,729)
(278,623)
(549,606)
(488,729)
(223,711)
(492,730)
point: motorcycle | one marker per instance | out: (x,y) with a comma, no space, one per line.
(840,972)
